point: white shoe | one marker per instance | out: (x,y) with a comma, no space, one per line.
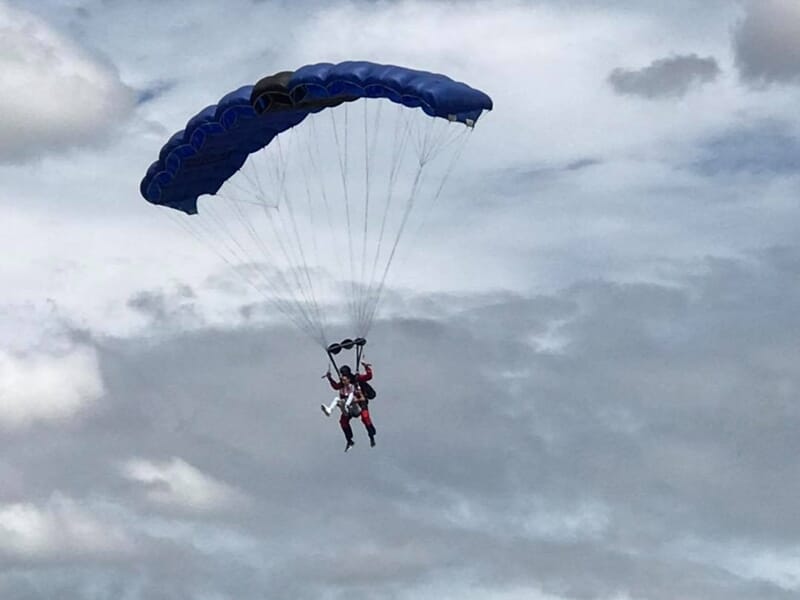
(326,410)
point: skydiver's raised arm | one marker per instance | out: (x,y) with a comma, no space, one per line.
(368,374)
(337,385)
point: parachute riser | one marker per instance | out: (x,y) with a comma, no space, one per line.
(359,350)
(335,366)
(346,344)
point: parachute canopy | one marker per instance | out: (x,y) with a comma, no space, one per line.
(311,198)
(216,142)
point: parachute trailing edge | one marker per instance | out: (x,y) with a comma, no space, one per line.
(217,141)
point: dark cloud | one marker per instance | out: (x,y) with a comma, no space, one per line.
(538,172)
(667,417)
(666,77)
(175,306)
(520,178)
(153,91)
(766,42)
(582,163)
(759,148)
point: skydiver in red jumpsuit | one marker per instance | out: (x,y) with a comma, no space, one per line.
(352,402)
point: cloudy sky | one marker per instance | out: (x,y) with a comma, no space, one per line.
(587,368)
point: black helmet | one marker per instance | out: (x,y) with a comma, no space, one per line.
(345,370)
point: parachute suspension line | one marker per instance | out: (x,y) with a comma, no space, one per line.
(369,151)
(302,297)
(254,189)
(344,171)
(240,189)
(367,287)
(277,233)
(361,297)
(296,307)
(259,242)
(402,133)
(246,223)
(312,231)
(428,149)
(459,139)
(314,304)
(316,163)
(346,178)
(243,257)
(203,238)
(294,250)
(295,274)
(209,221)
(423,141)
(406,213)
(279,170)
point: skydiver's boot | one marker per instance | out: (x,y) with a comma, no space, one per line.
(371,432)
(344,422)
(326,410)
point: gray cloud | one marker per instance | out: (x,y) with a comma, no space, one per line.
(666,418)
(175,306)
(512,181)
(766,42)
(665,77)
(759,148)
(154,91)
(603,440)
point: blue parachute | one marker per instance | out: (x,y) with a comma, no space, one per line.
(319,187)
(217,141)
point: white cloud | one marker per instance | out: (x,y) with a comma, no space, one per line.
(544,66)
(59,528)
(44,386)
(53,95)
(178,484)
(777,565)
